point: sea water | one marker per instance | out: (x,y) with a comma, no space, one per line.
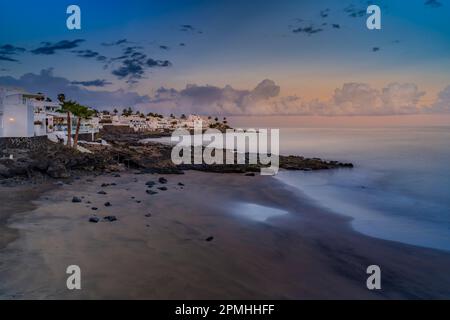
(399,189)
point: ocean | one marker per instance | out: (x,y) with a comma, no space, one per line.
(399,189)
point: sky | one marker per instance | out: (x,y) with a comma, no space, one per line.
(254,57)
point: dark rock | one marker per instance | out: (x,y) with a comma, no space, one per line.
(181,184)
(104,185)
(150,183)
(250,174)
(102,192)
(58,171)
(107,204)
(94,208)
(151,192)
(110,218)
(76,200)
(148,215)
(138,201)
(94,219)
(116,175)
(163,188)
(162,180)
(209,239)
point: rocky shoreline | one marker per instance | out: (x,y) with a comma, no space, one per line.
(124,152)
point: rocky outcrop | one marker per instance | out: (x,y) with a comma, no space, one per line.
(48,159)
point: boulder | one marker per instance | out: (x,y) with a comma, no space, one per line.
(57,171)
(94,219)
(150,183)
(76,200)
(162,180)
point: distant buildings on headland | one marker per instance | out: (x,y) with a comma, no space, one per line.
(29,115)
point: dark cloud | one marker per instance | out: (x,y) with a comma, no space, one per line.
(336,26)
(130,50)
(86,53)
(92,83)
(375,49)
(134,63)
(190,28)
(158,63)
(187,28)
(309,30)
(49,48)
(164,47)
(4,58)
(8,49)
(324,13)
(116,43)
(131,69)
(354,11)
(182,44)
(433,3)
(52,85)
(119,58)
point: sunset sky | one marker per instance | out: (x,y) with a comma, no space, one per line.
(234,57)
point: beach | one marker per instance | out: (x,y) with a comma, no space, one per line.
(195,241)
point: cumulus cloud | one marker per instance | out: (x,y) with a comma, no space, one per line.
(265,99)
(350,99)
(442,104)
(52,85)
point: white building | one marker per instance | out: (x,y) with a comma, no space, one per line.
(16,113)
(44,114)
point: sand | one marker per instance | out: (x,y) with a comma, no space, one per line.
(302,252)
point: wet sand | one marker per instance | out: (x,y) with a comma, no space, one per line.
(307,253)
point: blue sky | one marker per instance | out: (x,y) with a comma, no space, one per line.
(236,43)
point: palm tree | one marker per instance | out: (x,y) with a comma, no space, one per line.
(81,112)
(116,111)
(68,107)
(61,97)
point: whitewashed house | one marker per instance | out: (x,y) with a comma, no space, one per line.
(16,113)
(44,114)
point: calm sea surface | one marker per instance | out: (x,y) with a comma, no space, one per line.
(400,186)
